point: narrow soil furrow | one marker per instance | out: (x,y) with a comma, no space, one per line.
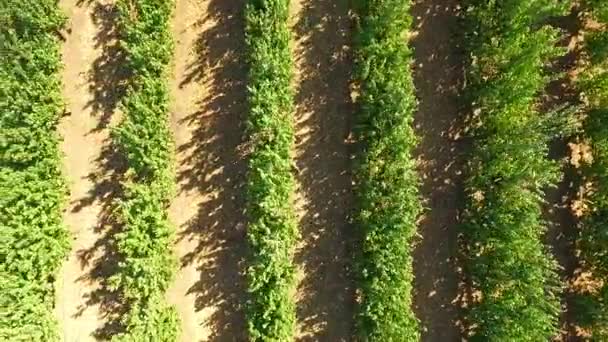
(323,117)
(559,209)
(438,80)
(561,238)
(93,83)
(208,108)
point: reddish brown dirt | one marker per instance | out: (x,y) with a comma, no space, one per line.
(438,79)
(92,86)
(208,91)
(325,293)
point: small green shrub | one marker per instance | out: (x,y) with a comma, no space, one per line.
(272,229)
(511,271)
(386,179)
(593,238)
(33,240)
(147,265)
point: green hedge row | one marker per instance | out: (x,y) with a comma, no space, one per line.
(513,276)
(593,241)
(33,240)
(386,179)
(272,230)
(144,243)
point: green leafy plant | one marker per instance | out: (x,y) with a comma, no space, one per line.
(33,240)
(272,229)
(511,272)
(147,265)
(386,179)
(593,239)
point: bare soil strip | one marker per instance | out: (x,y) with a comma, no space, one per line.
(208,108)
(438,79)
(561,238)
(93,83)
(324,112)
(560,201)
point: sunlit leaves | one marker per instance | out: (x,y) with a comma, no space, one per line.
(272,227)
(593,238)
(509,267)
(147,265)
(387,184)
(33,241)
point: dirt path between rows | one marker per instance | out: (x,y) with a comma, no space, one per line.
(324,112)
(93,84)
(208,108)
(558,209)
(438,79)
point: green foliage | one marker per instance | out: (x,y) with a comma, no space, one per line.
(33,241)
(272,230)
(144,138)
(509,267)
(387,184)
(593,239)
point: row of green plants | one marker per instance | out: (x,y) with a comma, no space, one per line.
(513,278)
(593,240)
(147,264)
(385,174)
(272,230)
(33,240)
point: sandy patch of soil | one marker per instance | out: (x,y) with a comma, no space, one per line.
(207,112)
(93,83)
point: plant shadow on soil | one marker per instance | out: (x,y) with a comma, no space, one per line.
(324,115)
(215,165)
(107,80)
(440,290)
(561,221)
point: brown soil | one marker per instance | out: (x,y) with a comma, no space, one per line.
(561,237)
(208,91)
(324,110)
(438,79)
(562,231)
(92,86)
